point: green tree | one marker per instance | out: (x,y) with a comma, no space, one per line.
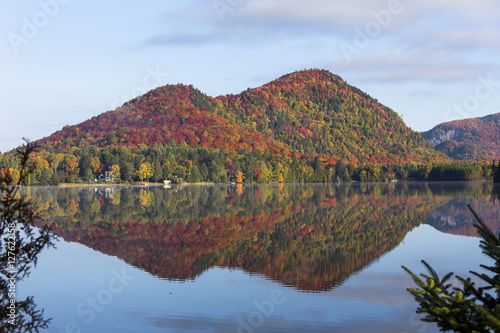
(55,160)
(45,176)
(54,180)
(88,176)
(496,173)
(465,309)
(127,171)
(342,173)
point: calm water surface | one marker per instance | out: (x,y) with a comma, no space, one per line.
(227,258)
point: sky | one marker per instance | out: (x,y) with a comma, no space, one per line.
(65,61)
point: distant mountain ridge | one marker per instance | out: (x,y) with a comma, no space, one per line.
(307,113)
(468,139)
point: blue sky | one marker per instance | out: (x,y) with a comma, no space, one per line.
(65,61)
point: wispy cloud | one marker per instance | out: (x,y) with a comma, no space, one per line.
(436,66)
(462,39)
(458,26)
(180,38)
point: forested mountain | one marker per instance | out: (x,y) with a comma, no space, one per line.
(308,126)
(317,112)
(162,116)
(469,139)
(308,112)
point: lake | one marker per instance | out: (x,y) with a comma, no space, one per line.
(250,258)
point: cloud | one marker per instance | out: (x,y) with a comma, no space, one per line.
(245,19)
(435,41)
(180,38)
(258,20)
(425,93)
(461,39)
(314,13)
(437,66)
(344,13)
(479,11)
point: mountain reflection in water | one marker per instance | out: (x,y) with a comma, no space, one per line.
(310,237)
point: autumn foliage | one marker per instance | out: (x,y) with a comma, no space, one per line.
(310,237)
(469,139)
(307,113)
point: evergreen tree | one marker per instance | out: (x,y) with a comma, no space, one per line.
(465,309)
(496,172)
(342,173)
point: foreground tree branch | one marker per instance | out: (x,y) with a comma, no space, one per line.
(20,246)
(467,308)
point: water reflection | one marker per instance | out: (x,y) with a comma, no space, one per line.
(310,237)
(20,247)
(495,194)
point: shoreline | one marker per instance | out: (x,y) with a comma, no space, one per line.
(69,185)
(106,185)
